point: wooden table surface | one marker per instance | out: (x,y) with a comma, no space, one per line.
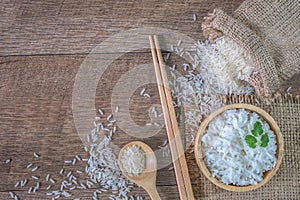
(42,46)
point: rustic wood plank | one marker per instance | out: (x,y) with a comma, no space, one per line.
(36,116)
(36,91)
(75,27)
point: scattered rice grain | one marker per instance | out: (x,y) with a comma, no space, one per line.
(142,91)
(35,168)
(29,165)
(101,112)
(36,155)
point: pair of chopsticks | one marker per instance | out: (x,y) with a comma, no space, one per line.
(176,147)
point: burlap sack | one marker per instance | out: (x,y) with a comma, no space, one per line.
(269,31)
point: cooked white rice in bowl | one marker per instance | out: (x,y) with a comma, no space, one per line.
(237,147)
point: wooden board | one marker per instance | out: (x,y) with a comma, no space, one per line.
(42,46)
(75,27)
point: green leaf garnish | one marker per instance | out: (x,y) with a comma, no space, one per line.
(264,140)
(251,141)
(257,129)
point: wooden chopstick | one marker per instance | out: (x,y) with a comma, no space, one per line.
(173,148)
(176,132)
(176,147)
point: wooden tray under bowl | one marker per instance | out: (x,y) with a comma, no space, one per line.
(267,175)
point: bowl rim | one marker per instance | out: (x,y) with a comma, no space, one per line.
(267,175)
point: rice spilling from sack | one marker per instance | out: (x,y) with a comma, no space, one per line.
(133,160)
(229,157)
(220,68)
(225,68)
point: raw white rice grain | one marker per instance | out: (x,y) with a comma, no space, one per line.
(174,67)
(179,42)
(109,117)
(37,185)
(156,124)
(165,143)
(17,184)
(97,118)
(12,195)
(74,161)
(133,160)
(113,121)
(62,186)
(147,95)
(69,174)
(142,91)
(66,194)
(194,17)
(24,182)
(36,155)
(72,188)
(35,168)
(47,177)
(172,48)
(29,165)
(52,180)
(83,186)
(101,112)
(110,124)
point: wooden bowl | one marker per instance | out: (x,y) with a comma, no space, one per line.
(200,156)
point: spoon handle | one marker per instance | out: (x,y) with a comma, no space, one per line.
(153,194)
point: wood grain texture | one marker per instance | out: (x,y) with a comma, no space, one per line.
(42,46)
(75,27)
(36,116)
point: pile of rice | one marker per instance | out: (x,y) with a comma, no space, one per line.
(133,160)
(225,68)
(220,68)
(227,155)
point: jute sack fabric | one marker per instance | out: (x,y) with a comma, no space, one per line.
(269,31)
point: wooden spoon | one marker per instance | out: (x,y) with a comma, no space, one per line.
(147,179)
